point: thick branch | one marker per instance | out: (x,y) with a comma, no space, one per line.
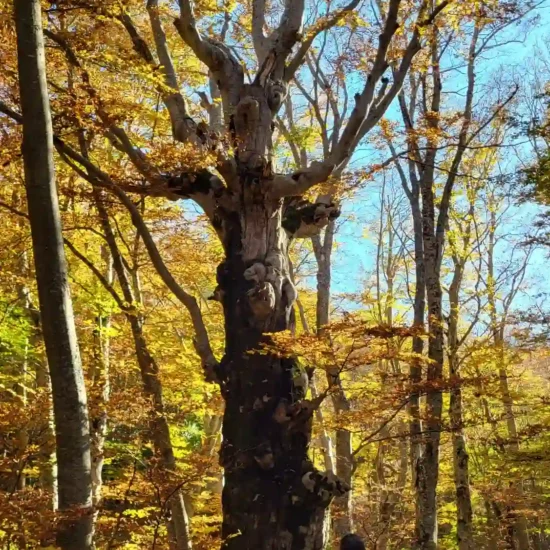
(258,24)
(302,218)
(227,70)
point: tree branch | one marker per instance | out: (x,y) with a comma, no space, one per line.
(258,24)
(100,277)
(227,70)
(183,127)
(324,24)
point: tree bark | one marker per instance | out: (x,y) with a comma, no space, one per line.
(69,397)
(100,376)
(273,498)
(48,463)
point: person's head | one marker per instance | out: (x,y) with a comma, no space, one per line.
(352,542)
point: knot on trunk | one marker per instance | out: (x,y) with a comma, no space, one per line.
(252,126)
(272,290)
(276,94)
(322,486)
(305,219)
(262,300)
(263,455)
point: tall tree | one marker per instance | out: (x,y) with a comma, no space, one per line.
(69,396)
(434,150)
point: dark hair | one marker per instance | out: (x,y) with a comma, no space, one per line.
(352,542)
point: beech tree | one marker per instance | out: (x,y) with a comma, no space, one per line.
(69,395)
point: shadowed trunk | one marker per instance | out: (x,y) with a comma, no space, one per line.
(69,397)
(273,498)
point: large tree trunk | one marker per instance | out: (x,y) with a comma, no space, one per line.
(69,397)
(273,499)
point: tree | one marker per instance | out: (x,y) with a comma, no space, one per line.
(69,397)
(435,144)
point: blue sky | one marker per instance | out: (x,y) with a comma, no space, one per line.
(355,254)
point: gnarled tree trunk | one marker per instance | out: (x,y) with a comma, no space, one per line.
(273,498)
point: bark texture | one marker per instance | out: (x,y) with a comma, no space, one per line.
(100,378)
(273,497)
(69,397)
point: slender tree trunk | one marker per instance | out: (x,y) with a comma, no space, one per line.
(212,438)
(519,522)
(390,495)
(460,454)
(69,397)
(428,469)
(100,376)
(327,447)
(342,507)
(21,386)
(415,372)
(178,526)
(325,440)
(48,461)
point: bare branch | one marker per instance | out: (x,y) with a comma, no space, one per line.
(324,24)
(183,127)
(225,67)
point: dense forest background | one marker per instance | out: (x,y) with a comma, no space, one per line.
(414,270)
